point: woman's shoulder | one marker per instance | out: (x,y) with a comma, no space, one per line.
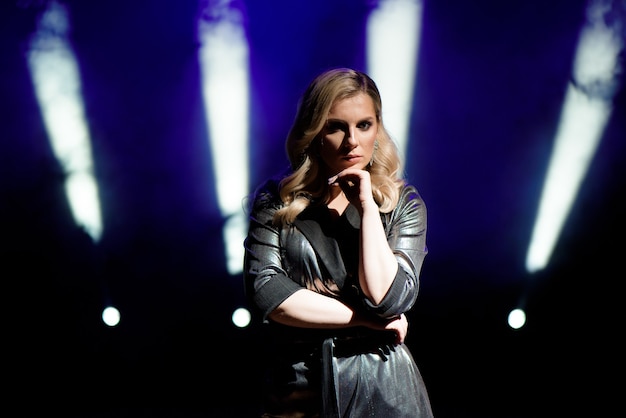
(409,192)
(267,195)
(410,201)
(409,209)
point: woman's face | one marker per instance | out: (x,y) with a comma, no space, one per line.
(350,133)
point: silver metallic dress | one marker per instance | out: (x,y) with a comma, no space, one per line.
(354,372)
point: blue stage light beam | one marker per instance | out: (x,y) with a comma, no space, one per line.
(224,62)
(55,76)
(393,38)
(586,110)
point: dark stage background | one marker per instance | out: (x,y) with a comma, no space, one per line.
(490,84)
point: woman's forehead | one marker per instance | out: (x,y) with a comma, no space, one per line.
(360,103)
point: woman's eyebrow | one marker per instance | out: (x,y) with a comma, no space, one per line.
(336,122)
(365,119)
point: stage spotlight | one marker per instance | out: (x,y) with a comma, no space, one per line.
(586,110)
(224,63)
(241,317)
(397,23)
(111,316)
(56,81)
(517,318)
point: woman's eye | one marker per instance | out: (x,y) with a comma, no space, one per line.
(334,127)
(364,125)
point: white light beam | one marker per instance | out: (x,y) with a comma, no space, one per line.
(224,63)
(393,38)
(57,86)
(586,110)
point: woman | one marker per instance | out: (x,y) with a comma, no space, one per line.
(332,262)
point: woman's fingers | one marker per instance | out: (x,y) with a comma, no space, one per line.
(400,326)
(355,184)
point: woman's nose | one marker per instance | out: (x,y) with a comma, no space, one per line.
(351,140)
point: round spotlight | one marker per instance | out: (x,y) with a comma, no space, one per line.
(241,317)
(111,316)
(517,318)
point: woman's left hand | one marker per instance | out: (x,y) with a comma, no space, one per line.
(400,326)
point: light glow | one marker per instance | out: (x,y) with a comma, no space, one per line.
(585,113)
(241,317)
(224,63)
(111,316)
(517,318)
(393,38)
(57,86)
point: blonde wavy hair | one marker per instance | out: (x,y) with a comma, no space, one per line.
(306,181)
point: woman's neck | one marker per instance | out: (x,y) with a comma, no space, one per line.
(338,202)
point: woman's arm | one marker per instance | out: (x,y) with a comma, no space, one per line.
(377,262)
(391,255)
(309,309)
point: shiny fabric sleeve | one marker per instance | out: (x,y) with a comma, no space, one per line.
(406,234)
(265,280)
